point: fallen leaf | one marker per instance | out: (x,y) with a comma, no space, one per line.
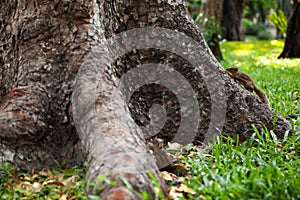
(51,175)
(168,176)
(55,183)
(174,194)
(184,188)
(37,186)
(174,146)
(70,180)
(43,173)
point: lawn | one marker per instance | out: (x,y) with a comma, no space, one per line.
(279,78)
(261,168)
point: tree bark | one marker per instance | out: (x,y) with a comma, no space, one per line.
(232,20)
(292,43)
(121,72)
(37,70)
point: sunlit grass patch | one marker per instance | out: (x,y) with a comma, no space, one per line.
(267,60)
(236,53)
(279,78)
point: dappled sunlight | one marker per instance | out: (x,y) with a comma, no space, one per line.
(278,63)
(277,77)
(242,52)
(278,43)
(256,53)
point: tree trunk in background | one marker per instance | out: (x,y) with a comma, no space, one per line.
(232,20)
(292,43)
(215,46)
(213,9)
(286,7)
(55,51)
(262,14)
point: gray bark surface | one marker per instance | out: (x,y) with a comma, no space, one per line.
(44,45)
(37,70)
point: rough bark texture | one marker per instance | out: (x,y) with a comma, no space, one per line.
(43,45)
(39,52)
(232,20)
(292,43)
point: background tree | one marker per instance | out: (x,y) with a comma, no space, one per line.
(55,51)
(209,21)
(292,42)
(257,13)
(259,9)
(285,5)
(218,20)
(232,20)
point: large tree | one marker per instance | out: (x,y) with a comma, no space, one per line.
(292,43)
(92,80)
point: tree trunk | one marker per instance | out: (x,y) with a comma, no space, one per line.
(286,7)
(232,20)
(121,72)
(292,43)
(212,9)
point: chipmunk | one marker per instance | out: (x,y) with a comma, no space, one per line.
(247,82)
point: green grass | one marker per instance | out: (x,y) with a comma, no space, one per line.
(261,168)
(279,78)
